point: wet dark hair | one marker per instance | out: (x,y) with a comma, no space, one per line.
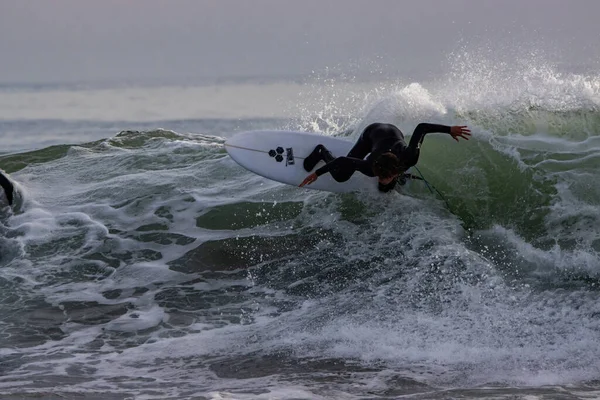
(386,165)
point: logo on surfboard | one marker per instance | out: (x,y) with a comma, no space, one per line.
(278,155)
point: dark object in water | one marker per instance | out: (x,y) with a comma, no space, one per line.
(8,188)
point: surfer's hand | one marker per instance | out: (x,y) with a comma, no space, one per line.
(460,132)
(309,179)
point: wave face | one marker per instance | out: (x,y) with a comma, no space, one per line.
(150,264)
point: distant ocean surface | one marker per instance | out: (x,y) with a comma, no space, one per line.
(140,261)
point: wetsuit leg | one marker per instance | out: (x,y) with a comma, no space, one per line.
(8,188)
(320,153)
(364,144)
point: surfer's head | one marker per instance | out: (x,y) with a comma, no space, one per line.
(387,167)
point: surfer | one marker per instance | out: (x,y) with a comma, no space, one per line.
(386,152)
(8,188)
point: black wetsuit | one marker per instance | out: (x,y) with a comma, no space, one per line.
(376,139)
(8,188)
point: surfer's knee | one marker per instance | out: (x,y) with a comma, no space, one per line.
(314,157)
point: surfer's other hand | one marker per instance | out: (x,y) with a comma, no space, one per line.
(309,179)
(460,132)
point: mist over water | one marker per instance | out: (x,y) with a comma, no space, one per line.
(148,263)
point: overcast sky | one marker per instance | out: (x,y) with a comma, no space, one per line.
(74,40)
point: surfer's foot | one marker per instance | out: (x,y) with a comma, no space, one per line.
(319,153)
(313,159)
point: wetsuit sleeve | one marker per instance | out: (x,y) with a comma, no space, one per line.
(422,129)
(346,165)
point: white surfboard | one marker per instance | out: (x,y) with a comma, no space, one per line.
(279,155)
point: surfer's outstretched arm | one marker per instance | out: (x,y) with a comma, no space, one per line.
(424,128)
(410,155)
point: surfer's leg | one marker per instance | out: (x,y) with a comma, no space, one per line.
(320,153)
(8,188)
(364,144)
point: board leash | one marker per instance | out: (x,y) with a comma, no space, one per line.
(429,186)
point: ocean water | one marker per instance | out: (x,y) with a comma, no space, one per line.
(140,261)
